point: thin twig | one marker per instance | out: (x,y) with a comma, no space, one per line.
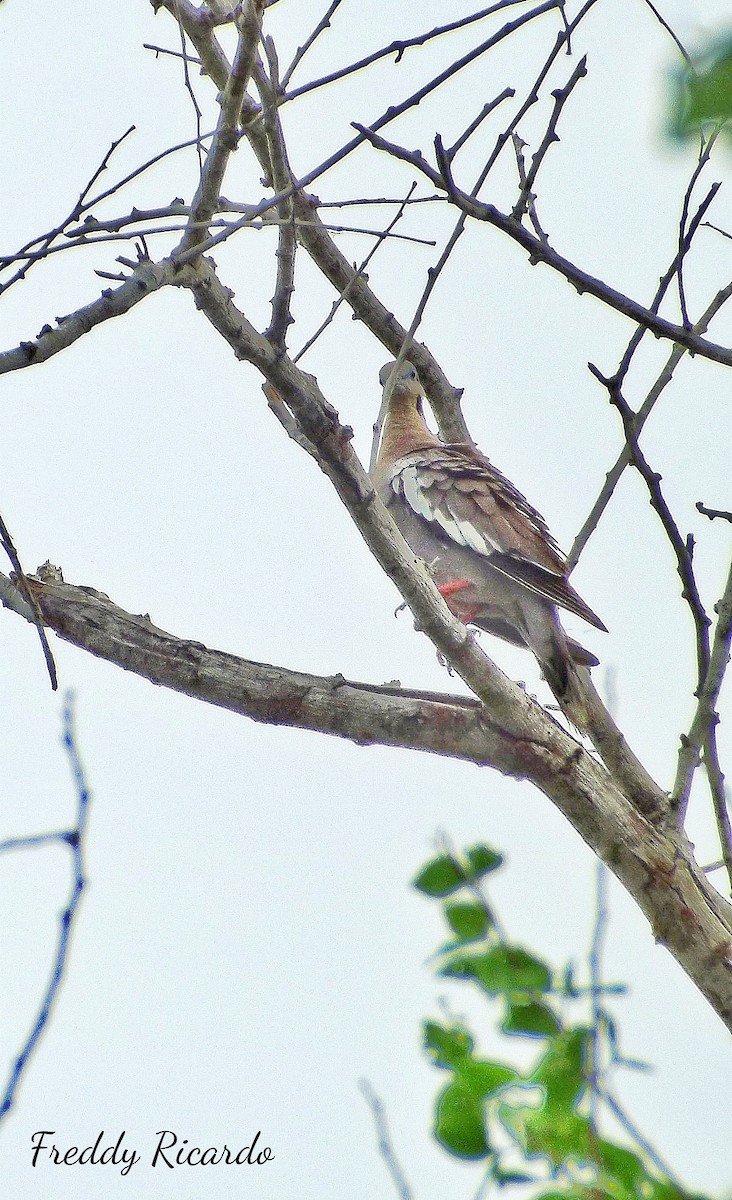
(717,229)
(720,804)
(189,58)
(713,513)
(681,549)
(507,94)
(189,86)
(378,200)
(22,583)
(540,252)
(400,46)
(47,239)
(74,838)
(561,96)
(623,459)
(388,1154)
(704,721)
(282,178)
(665,25)
(323,24)
(632,1130)
(150,162)
(595,965)
(79,238)
(705,151)
(343,295)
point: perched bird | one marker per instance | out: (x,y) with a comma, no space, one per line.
(489,552)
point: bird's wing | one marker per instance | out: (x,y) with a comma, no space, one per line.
(455,488)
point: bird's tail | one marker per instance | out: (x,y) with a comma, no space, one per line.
(563,661)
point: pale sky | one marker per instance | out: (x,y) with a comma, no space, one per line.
(249,945)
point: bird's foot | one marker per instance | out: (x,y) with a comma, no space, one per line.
(463,610)
(456,585)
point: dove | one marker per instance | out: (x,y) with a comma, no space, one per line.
(489,552)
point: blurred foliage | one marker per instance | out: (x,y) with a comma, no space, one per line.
(539,1124)
(701,92)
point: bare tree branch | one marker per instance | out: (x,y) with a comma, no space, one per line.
(713,513)
(145,279)
(508,731)
(682,549)
(403,1190)
(7,544)
(561,96)
(624,458)
(400,46)
(226,137)
(539,251)
(323,24)
(47,239)
(74,838)
(705,720)
(282,178)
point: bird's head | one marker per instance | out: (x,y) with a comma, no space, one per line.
(403,385)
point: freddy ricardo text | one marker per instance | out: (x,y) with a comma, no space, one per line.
(168,1150)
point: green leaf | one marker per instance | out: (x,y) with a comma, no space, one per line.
(532,1019)
(483,860)
(621,1164)
(440,877)
(501,969)
(447,1045)
(460,1123)
(484,1078)
(561,1071)
(558,1134)
(577,1192)
(702,94)
(467,921)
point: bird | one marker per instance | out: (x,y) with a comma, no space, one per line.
(489,552)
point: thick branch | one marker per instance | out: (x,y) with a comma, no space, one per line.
(226,137)
(685,913)
(114,302)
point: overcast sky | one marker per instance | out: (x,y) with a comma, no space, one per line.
(249,946)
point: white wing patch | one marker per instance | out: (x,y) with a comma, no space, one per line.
(405,482)
(461,531)
(413,493)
